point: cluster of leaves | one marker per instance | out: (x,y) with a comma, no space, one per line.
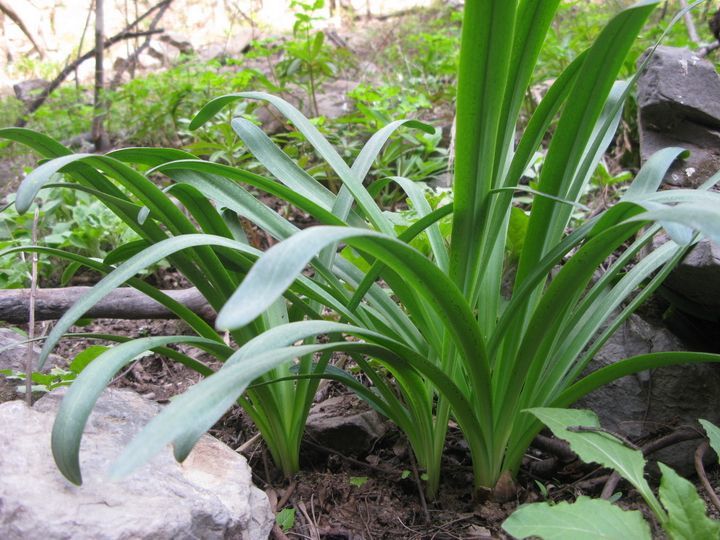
(680,511)
(57,377)
(152,110)
(72,221)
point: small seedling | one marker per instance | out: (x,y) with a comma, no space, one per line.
(358,481)
(285,518)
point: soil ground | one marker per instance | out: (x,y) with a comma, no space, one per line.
(370,495)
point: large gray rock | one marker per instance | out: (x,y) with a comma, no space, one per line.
(13,353)
(209,496)
(653,402)
(679,105)
(679,85)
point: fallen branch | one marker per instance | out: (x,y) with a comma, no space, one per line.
(57,81)
(707,49)
(122,303)
(680,435)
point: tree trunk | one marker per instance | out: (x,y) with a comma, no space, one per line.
(98,133)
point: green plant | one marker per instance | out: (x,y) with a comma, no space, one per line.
(285,518)
(424,56)
(457,340)
(57,376)
(67,220)
(151,109)
(679,510)
(308,60)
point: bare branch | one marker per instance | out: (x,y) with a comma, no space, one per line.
(7,10)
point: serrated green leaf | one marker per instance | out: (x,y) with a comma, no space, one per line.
(713,433)
(586,519)
(687,515)
(598,447)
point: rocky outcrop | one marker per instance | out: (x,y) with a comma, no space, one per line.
(679,105)
(654,402)
(695,282)
(209,496)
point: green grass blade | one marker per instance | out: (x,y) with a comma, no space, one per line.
(487,44)
(85,391)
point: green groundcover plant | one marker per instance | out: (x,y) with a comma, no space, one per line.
(679,511)
(440,336)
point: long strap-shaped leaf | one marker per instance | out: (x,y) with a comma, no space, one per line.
(125,272)
(315,138)
(183,313)
(280,265)
(152,197)
(85,391)
(576,125)
(487,44)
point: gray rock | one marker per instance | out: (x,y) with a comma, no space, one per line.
(27,91)
(702,142)
(148,61)
(679,85)
(209,496)
(344,423)
(333,101)
(163,52)
(13,353)
(679,105)
(647,403)
(697,281)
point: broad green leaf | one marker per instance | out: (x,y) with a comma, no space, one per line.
(285,518)
(586,519)
(687,515)
(713,433)
(81,360)
(595,446)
